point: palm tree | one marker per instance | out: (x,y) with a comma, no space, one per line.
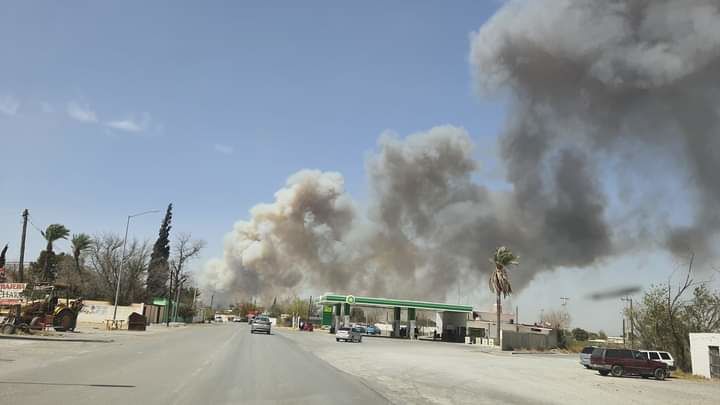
(80,243)
(52,234)
(499,281)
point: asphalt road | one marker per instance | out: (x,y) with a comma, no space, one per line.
(209,364)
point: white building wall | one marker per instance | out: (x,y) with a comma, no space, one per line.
(700,352)
(101,311)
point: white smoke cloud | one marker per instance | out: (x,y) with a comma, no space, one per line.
(591,84)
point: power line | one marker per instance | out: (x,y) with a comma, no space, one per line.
(35,226)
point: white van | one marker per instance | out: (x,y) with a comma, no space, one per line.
(664,357)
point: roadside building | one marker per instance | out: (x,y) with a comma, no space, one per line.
(482,329)
(705,354)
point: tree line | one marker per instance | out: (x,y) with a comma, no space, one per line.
(91,268)
(667,314)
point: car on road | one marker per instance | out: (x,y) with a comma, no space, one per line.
(585,354)
(348,334)
(260,324)
(372,330)
(621,362)
(659,355)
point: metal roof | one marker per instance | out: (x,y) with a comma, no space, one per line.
(391,303)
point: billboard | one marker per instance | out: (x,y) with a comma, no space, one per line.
(11,293)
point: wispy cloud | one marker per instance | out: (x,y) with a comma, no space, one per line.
(82,113)
(224,149)
(9,105)
(125,125)
(131,124)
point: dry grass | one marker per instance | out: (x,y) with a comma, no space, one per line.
(681,375)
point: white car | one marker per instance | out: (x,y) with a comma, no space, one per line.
(260,324)
(585,355)
(348,334)
(662,356)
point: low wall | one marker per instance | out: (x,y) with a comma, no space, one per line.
(534,341)
(100,311)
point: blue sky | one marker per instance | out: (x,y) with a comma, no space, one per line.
(127,106)
(108,109)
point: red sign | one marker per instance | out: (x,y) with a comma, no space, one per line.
(11,293)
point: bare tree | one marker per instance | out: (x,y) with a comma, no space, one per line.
(105,257)
(557,319)
(184,249)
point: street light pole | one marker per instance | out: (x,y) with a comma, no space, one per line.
(122,260)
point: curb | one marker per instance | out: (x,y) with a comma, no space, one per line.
(51,339)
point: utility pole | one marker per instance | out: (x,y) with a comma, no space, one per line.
(632,324)
(22,246)
(517,325)
(564,301)
(624,340)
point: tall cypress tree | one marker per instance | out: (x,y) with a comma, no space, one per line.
(158,269)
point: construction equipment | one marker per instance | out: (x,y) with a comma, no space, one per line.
(37,312)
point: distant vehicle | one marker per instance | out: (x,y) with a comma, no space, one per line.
(372,330)
(218,318)
(362,329)
(237,319)
(585,355)
(659,355)
(260,323)
(622,362)
(348,334)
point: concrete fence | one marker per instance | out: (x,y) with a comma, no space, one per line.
(515,340)
(97,312)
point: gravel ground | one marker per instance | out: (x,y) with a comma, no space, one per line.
(421,372)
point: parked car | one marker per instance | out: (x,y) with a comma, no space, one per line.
(585,355)
(260,324)
(659,355)
(348,334)
(622,362)
(372,330)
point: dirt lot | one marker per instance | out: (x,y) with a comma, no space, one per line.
(446,373)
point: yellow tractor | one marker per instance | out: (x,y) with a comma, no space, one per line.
(38,312)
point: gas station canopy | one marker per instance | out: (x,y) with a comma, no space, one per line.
(330,299)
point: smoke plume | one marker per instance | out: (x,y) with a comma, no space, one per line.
(611,104)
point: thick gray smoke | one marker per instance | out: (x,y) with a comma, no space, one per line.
(634,80)
(612,103)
